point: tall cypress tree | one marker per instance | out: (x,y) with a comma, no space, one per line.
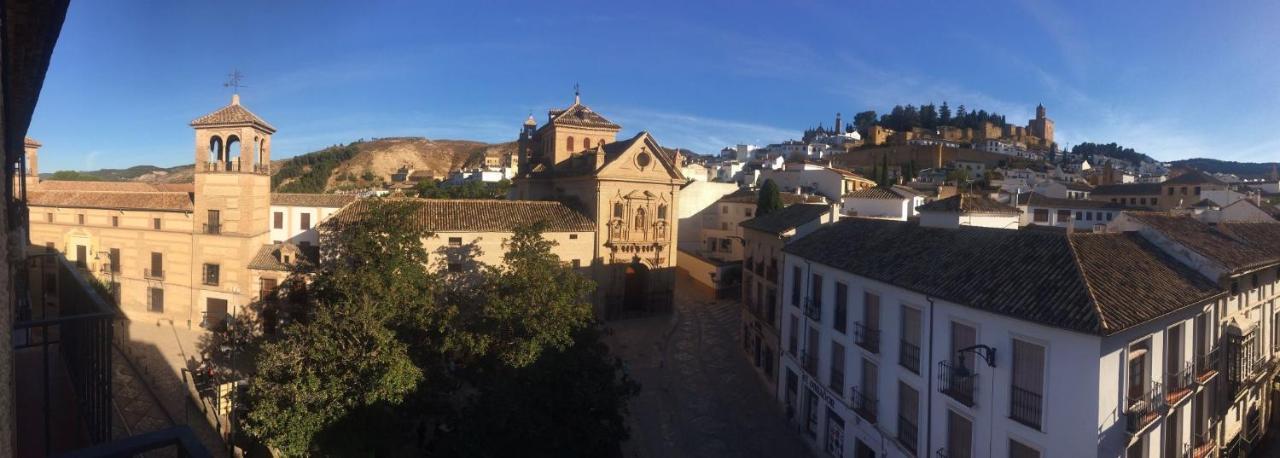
(769,199)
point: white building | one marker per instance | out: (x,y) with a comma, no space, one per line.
(294,216)
(896,203)
(1040,210)
(901,340)
(968,210)
(1006,148)
(721,234)
(815,178)
(740,152)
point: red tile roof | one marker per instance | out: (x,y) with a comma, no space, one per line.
(475,215)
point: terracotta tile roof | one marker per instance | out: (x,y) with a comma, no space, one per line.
(1194,177)
(28,141)
(162,201)
(1077,186)
(1036,199)
(463,215)
(1262,236)
(751,196)
(579,115)
(1218,246)
(176,187)
(787,218)
(893,193)
(1128,189)
(116,186)
(970,204)
(1080,282)
(269,257)
(233,114)
(311,200)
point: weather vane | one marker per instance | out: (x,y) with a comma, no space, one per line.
(577,91)
(233,80)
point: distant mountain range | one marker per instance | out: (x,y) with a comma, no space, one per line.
(1242,169)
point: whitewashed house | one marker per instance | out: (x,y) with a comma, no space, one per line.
(1040,210)
(968,210)
(895,202)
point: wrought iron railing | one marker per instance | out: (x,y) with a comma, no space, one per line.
(72,336)
(212,228)
(863,404)
(1025,406)
(957,380)
(908,434)
(1178,384)
(866,337)
(837,380)
(812,309)
(1143,408)
(1207,365)
(153,274)
(909,356)
(1202,445)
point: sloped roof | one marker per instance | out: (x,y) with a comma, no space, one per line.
(28,141)
(1079,282)
(970,204)
(787,218)
(112,200)
(880,193)
(477,215)
(751,196)
(579,115)
(1194,177)
(1127,189)
(311,200)
(115,186)
(1264,237)
(233,114)
(1217,245)
(1036,199)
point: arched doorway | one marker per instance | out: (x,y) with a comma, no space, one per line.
(635,298)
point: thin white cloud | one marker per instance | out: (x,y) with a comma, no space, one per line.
(704,135)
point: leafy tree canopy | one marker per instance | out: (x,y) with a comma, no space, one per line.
(769,199)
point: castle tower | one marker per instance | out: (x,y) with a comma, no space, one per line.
(32,177)
(572,130)
(525,144)
(232,203)
(1041,127)
(839,129)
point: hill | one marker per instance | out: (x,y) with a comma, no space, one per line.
(356,164)
(1241,169)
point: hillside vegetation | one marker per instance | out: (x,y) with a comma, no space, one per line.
(1241,169)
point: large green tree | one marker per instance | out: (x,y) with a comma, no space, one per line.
(769,199)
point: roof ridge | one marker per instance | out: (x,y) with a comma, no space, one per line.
(1088,285)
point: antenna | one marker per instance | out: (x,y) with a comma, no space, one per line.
(577,93)
(233,80)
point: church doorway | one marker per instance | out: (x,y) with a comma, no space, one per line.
(637,287)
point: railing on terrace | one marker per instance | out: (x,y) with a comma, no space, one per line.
(863,404)
(1207,366)
(957,381)
(908,434)
(63,350)
(1201,446)
(153,274)
(867,337)
(1179,383)
(234,166)
(1143,408)
(812,309)
(212,228)
(909,356)
(1026,407)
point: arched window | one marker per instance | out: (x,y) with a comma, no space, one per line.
(586,142)
(569,143)
(215,149)
(617,210)
(261,157)
(233,148)
(640,219)
(662,211)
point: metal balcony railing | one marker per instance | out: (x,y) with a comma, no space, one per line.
(1207,366)
(212,228)
(812,309)
(153,274)
(837,380)
(1178,384)
(908,434)
(1143,408)
(909,356)
(63,348)
(1025,407)
(863,404)
(957,381)
(1201,446)
(867,337)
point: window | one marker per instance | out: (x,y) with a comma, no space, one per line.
(80,219)
(959,435)
(726,245)
(155,300)
(1020,450)
(573,236)
(215,312)
(1064,216)
(724,209)
(836,375)
(617,210)
(1153,201)
(1183,190)
(1028,383)
(1139,371)
(869,387)
(113,258)
(908,416)
(155,223)
(82,256)
(1197,190)
(793,341)
(1142,201)
(835,433)
(1079,216)
(214,224)
(115,221)
(1171,191)
(815,294)
(841,308)
(662,212)
(455,241)
(1172,442)
(1109,216)
(796,278)
(455,267)
(278,222)
(909,350)
(157,266)
(305,221)
(211,274)
(586,142)
(568,143)
(746,212)
(48,217)
(1041,215)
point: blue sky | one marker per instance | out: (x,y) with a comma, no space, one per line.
(1173,80)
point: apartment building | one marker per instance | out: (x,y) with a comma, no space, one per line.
(721,234)
(904,340)
(1040,210)
(763,240)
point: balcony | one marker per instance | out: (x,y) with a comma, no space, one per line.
(866,337)
(809,361)
(63,350)
(1025,407)
(1143,408)
(909,356)
(813,309)
(1178,384)
(908,434)
(837,380)
(1201,446)
(153,274)
(864,404)
(1206,366)
(212,228)
(235,167)
(957,381)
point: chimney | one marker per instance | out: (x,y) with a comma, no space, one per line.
(235,99)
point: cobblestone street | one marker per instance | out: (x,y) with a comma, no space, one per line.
(699,397)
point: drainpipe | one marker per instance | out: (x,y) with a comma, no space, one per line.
(928,435)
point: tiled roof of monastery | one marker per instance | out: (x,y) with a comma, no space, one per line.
(154,200)
(115,186)
(1081,282)
(1233,252)
(969,203)
(477,215)
(232,114)
(579,115)
(787,218)
(311,200)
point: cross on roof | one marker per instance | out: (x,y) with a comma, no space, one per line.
(233,80)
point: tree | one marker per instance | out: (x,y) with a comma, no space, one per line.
(929,116)
(944,114)
(883,179)
(864,120)
(72,175)
(769,200)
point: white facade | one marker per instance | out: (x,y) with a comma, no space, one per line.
(297,225)
(696,200)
